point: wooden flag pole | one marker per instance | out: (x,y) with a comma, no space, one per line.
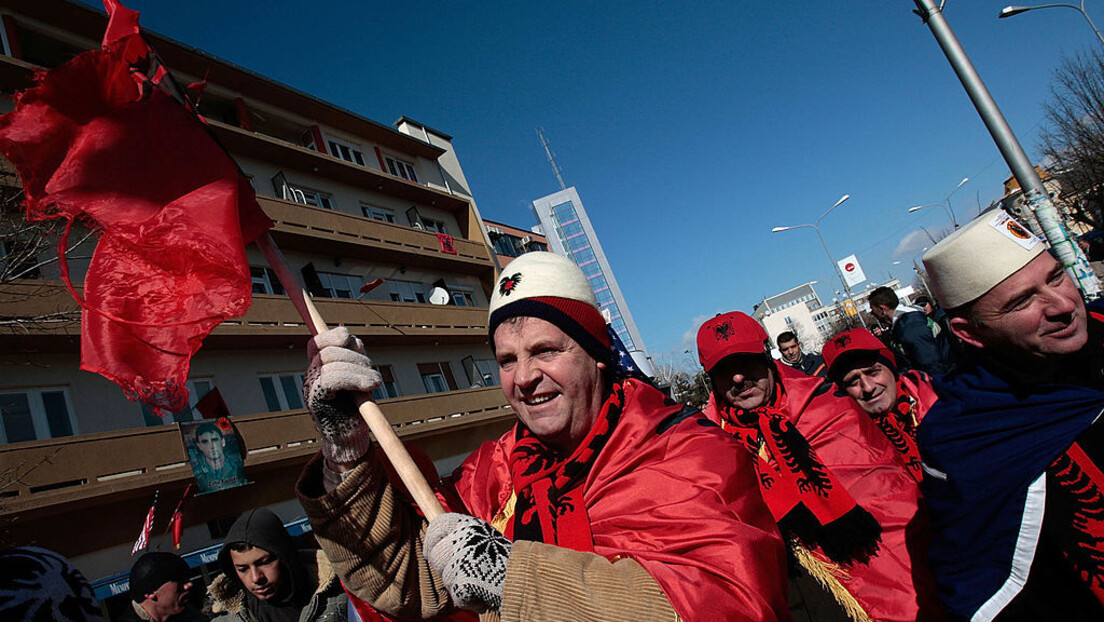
(381,429)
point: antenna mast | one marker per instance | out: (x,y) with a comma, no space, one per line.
(551,158)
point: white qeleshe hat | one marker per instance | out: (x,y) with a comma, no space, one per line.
(976,258)
(554,289)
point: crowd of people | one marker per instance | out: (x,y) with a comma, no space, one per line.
(948,469)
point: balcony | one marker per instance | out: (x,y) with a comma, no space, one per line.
(314,229)
(270,322)
(66,474)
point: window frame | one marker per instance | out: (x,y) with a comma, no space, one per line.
(356,153)
(39,419)
(278,390)
(370,211)
(390,387)
(397,167)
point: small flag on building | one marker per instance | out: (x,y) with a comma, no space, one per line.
(143,538)
(447,245)
(176,523)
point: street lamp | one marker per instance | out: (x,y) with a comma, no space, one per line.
(1009,11)
(816,227)
(946,204)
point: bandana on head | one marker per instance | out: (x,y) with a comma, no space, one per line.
(550,486)
(800,491)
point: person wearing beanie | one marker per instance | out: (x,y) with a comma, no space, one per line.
(832,480)
(1013,450)
(160,585)
(37,584)
(606,501)
(266,579)
(864,369)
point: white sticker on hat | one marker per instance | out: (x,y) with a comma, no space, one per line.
(1013,230)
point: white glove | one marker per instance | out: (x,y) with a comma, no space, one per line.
(339,367)
(470,556)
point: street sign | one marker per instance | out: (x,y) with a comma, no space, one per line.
(849,308)
(851,270)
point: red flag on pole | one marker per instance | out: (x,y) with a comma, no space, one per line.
(108,140)
(143,538)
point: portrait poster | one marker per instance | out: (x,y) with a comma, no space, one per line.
(215,452)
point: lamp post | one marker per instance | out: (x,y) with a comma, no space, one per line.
(946,203)
(1009,11)
(816,227)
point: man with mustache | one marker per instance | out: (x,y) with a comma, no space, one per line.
(838,489)
(1012,451)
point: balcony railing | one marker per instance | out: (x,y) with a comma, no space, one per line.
(359,236)
(55,312)
(47,473)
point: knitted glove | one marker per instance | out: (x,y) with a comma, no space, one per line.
(470,557)
(338,368)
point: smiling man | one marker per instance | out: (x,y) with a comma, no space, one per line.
(606,501)
(1011,451)
(266,579)
(833,481)
(864,369)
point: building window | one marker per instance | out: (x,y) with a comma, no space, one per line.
(265,281)
(389,388)
(398,168)
(197,388)
(313,197)
(437,377)
(35,414)
(461,297)
(282,391)
(481,372)
(335,285)
(378,213)
(406,291)
(346,151)
(434,225)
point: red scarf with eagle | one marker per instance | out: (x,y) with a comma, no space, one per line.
(804,497)
(549,485)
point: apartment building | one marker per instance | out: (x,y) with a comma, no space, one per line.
(356,203)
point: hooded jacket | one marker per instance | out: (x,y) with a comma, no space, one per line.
(312,578)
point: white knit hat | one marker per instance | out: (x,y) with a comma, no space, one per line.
(973,260)
(554,289)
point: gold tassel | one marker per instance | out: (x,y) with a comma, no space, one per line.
(828,575)
(502,518)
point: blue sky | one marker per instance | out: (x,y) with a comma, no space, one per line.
(689,129)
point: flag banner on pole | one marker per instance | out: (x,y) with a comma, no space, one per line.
(143,538)
(851,270)
(108,140)
(176,523)
(447,245)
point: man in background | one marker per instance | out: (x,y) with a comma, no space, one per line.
(810,363)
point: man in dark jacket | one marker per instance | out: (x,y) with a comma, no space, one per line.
(925,350)
(1013,450)
(811,363)
(160,583)
(266,579)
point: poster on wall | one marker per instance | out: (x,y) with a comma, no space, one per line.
(215,452)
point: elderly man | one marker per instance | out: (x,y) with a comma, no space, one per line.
(160,585)
(863,368)
(833,481)
(1012,453)
(810,363)
(612,502)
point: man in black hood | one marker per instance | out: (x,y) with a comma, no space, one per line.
(267,580)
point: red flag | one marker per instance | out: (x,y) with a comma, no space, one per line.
(445,240)
(177,527)
(143,538)
(101,139)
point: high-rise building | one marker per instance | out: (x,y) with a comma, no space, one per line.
(354,201)
(564,220)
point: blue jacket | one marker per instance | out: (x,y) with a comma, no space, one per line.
(923,350)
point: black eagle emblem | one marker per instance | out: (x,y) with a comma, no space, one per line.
(509,283)
(842,341)
(722,331)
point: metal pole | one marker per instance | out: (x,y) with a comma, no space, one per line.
(839,275)
(1035,195)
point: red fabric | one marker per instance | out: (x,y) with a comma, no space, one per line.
(896,583)
(683,502)
(549,486)
(98,141)
(915,396)
(447,246)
